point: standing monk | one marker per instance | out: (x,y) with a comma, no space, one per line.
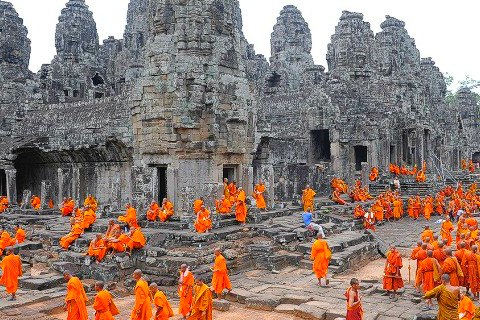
(258,195)
(430,272)
(307,198)
(392,280)
(76,299)
(232,189)
(447,297)
(373,174)
(185,290)
(354,302)
(446,232)
(226,191)
(104,306)
(163,310)
(220,280)
(321,255)
(142,310)
(11,269)
(241,206)
(453,268)
(202,302)
(472,277)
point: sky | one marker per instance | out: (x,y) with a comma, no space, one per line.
(444,30)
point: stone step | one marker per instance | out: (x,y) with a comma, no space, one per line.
(338,242)
(42,282)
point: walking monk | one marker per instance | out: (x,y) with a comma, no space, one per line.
(452,267)
(258,195)
(76,299)
(142,309)
(470,265)
(354,302)
(11,269)
(185,290)
(307,198)
(202,302)
(446,232)
(220,280)
(130,218)
(163,310)
(447,297)
(430,271)
(392,280)
(104,306)
(321,255)
(241,206)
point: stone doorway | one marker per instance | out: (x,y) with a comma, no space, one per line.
(3,183)
(162,183)
(393,154)
(476,157)
(229,172)
(360,156)
(320,145)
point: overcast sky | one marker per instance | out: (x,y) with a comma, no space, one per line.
(446,30)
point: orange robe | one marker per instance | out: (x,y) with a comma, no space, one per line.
(66,241)
(427,234)
(373,174)
(470,264)
(20,235)
(120,245)
(137,240)
(321,256)
(419,256)
(446,232)
(67,207)
(3,204)
(89,218)
(153,212)
(258,196)
(428,209)
(90,201)
(353,312)
(185,292)
(104,306)
(98,249)
(220,278)
(392,279)
(76,300)
(440,255)
(203,222)
(466,307)
(307,199)
(160,301)
(397,209)
(241,207)
(336,197)
(202,302)
(420,176)
(11,269)
(142,309)
(197,205)
(223,206)
(430,273)
(377,209)
(166,212)
(35,202)
(232,189)
(6,241)
(130,217)
(453,268)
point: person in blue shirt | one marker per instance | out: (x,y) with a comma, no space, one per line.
(307,220)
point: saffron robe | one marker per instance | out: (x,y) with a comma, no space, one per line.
(220,279)
(11,269)
(321,255)
(76,300)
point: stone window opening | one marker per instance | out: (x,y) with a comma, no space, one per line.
(360,156)
(65,92)
(76,93)
(162,183)
(3,182)
(320,145)
(229,172)
(274,80)
(97,80)
(98,95)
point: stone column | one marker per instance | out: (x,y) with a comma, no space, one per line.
(76,184)
(365,173)
(420,148)
(60,178)
(116,193)
(172,186)
(45,194)
(11,175)
(247,179)
(269,178)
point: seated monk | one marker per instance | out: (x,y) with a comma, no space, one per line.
(6,241)
(167,210)
(403,170)
(91,201)
(153,211)
(3,203)
(51,204)
(471,166)
(130,218)
(464,164)
(197,205)
(67,206)
(373,174)
(258,195)
(337,183)
(75,232)
(232,190)
(420,176)
(117,241)
(336,197)
(19,234)
(89,217)
(223,206)
(203,222)
(97,248)
(136,239)
(35,202)
(358,212)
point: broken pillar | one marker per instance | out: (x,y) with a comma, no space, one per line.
(11,176)
(46,194)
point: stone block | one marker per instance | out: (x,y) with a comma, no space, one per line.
(286,308)
(426,316)
(41,283)
(294,299)
(238,295)
(262,302)
(221,305)
(310,312)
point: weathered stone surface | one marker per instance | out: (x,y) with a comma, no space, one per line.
(309,312)
(262,302)
(221,305)
(286,308)
(294,299)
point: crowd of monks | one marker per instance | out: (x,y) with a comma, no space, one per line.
(419,175)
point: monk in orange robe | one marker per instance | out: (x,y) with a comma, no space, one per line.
(307,198)
(392,279)
(320,255)
(153,211)
(397,208)
(420,256)
(220,279)
(226,191)
(440,204)
(354,303)
(163,310)
(19,234)
(89,217)
(459,253)
(167,210)
(420,176)
(373,174)
(136,239)
(466,308)
(241,206)
(427,233)
(103,305)
(35,202)
(97,248)
(430,272)
(416,207)
(3,203)
(197,205)
(117,241)
(377,210)
(464,164)
(76,299)
(142,309)
(67,206)
(471,167)
(358,212)
(336,197)
(130,218)
(91,202)
(6,241)
(203,223)
(232,190)
(453,268)
(472,276)
(202,302)
(413,255)
(446,231)
(75,232)
(428,208)
(223,205)
(11,269)
(185,290)
(258,195)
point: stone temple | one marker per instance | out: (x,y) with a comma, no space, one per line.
(183,101)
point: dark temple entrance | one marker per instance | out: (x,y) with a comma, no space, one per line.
(320,145)
(229,173)
(360,156)
(3,183)
(162,183)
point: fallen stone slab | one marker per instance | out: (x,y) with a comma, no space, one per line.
(263,302)
(294,299)
(221,305)
(28,245)
(286,308)
(41,283)
(310,312)
(238,295)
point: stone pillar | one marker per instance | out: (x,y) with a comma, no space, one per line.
(172,186)
(420,147)
(45,194)
(247,179)
(365,173)
(268,177)
(76,184)
(11,175)
(116,194)
(60,178)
